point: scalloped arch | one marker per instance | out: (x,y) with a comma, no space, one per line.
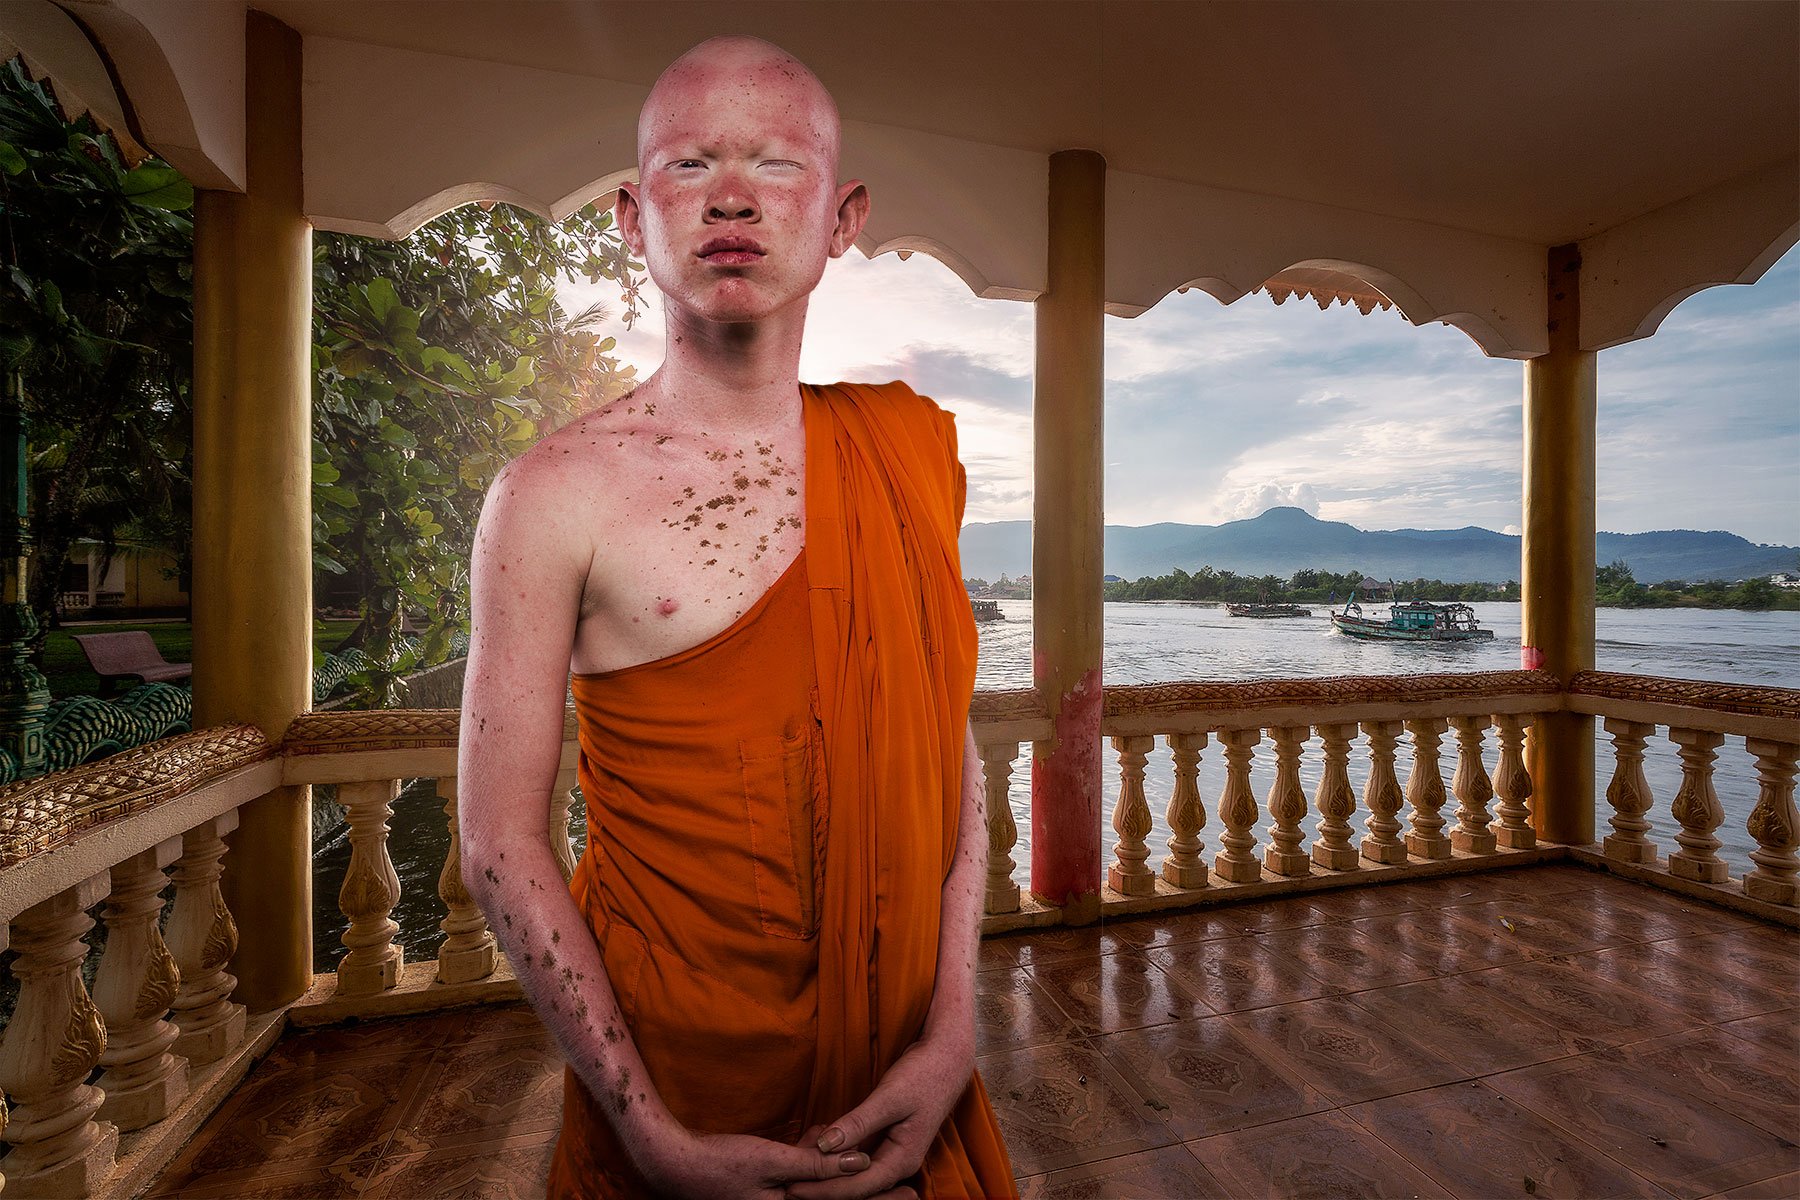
(1412,305)
(1755,270)
(959,265)
(408,220)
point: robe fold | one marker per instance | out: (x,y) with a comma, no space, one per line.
(772,815)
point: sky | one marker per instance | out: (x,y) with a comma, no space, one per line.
(1216,412)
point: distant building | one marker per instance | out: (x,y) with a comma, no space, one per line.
(139,581)
(1785,579)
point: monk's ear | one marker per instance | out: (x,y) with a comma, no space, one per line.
(852,215)
(628,216)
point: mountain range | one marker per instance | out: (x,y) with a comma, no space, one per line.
(1284,540)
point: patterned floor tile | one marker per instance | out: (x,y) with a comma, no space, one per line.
(1062,1105)
(1342,957)
(1215,922)
(1467,1025)
(1710,1065)
(1520,1153)
(1342,1051)
(1542,926)
(1778,1033)
(1148,1175)
(1012,1011)
(1323,1157)
(1686,1146)
(486,1088)
(1781,1187)
(1440,941)
(1117,991)
(1580,1005)
(1206,1078)
(513,1169)
(1237,973)
(1057,944)
(1680,975)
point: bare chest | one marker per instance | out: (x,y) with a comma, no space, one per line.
(688,540)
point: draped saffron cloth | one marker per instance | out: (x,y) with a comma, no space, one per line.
(769,982)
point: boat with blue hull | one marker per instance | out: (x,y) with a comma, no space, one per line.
(1414,621)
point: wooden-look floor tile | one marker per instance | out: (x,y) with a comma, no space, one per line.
(1012,1011)
(1466,1025)
(1781,1187)
(1322,1157)
(1042,947)
(1477,1143)
(1762,956)
(1149,1175)
(1342,958)
(1349,903)
(313,1183)
(1061,1105)
(1117,991)
(1234,974)
(1343,1051)
(1442,942)
(1710,1065)
(515,1168)
(1580,1005)
(1544,926)
(1206,1078)
(1215,922)
(1681,976)
(486,1088)
(1778,1033)
(1686,1146)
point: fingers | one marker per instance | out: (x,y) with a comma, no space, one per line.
(858,1125)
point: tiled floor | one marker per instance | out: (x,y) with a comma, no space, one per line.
(1542,1032)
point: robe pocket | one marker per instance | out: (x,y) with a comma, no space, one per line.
(622,954)
(778,805)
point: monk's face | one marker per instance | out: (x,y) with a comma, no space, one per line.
(737,207)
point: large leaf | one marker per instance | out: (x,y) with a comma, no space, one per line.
(157,185)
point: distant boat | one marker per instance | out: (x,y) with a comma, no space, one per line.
(1266,611)
(1415,621)
(987,610)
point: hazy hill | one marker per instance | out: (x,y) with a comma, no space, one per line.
(1284,540)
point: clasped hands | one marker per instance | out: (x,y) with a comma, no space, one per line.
(863,1155)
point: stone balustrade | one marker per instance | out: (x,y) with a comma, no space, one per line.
(1402,720)
(1698,719)
(97,1090)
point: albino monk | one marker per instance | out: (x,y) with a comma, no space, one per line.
(762,974)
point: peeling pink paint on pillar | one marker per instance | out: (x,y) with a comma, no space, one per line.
(1065,798)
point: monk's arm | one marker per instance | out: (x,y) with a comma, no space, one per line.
(964,893)
(525,585)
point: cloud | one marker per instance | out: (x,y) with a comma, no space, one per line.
(1254,501)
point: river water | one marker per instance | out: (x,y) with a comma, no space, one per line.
(1165,642)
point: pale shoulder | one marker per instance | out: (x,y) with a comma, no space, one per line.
(536,501)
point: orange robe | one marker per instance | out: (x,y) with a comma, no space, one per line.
(772,815)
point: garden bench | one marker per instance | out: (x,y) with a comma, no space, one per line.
(116,656)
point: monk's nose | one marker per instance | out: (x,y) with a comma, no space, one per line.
(732,206)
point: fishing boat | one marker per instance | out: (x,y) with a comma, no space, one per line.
(1414,621)
(987,610)
(1267,611)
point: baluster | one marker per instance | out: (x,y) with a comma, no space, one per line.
(1381,796)
(134,991)
(562,798)
(1629,793)
(203,937)
(1697,808)
(1512,784)
(370,891)
(1335,800)
(1131,820)
(1473,789)
(1425,790)
(468,952)
(1003,832)
(1236,862)
(1772,823)
(55,1037)
(1186,815)
(1287,805)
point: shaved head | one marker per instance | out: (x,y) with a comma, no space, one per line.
(738,69)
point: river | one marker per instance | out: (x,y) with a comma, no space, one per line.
(1163,642)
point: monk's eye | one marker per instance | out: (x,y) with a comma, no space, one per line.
(782,164)
(686,162)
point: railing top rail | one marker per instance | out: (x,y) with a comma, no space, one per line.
(1749,700)
(340,731)
(1232,696)
(40,814)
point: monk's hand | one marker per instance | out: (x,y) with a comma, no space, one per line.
(725,1166)
(899,1119)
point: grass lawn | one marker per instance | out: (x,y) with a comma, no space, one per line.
(67,668)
